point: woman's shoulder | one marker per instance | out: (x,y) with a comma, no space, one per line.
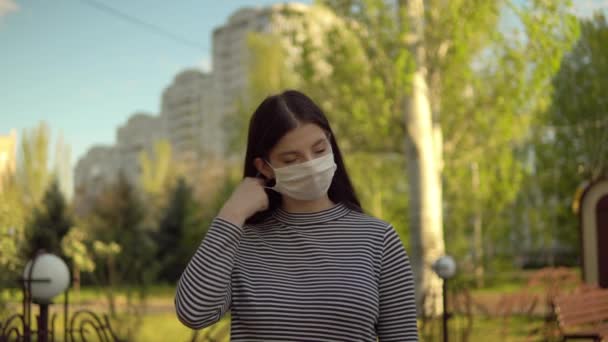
(368,220)
(261,223)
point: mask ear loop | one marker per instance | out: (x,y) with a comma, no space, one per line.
(260,176)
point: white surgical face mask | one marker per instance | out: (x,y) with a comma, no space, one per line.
(306,181)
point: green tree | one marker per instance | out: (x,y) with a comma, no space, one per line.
(74,246)
(12,221)
(483,86)
(33,173)
(180,231)
(159,172)
(267,74)
(157,169)
(381,187)
(124,252)
(49,223)
(21,195)
(351,66)
(571,144)
(118,217)
(498,99)
(578,112)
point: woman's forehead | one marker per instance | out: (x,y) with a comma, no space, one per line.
(300,138)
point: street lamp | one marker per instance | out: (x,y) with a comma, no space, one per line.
(45,277)
(445,267)
(49,277)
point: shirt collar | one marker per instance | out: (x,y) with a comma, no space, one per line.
(302,219)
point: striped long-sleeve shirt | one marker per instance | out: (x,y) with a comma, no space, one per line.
(334,275)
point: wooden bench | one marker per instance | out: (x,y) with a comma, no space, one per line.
(583,315)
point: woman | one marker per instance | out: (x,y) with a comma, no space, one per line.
(291,254)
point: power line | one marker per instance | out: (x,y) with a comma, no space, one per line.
(143,24)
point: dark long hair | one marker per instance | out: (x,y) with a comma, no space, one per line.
(274,117)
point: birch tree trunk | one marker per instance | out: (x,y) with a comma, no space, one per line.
(422,144)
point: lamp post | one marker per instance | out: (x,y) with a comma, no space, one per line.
(445,267)
(44,277)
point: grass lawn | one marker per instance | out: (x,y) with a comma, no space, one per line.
(166,327)
(162,325)
(516,329)
(483,329)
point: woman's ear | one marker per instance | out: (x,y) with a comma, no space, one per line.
(263,168)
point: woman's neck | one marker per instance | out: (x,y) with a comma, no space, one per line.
(291,205)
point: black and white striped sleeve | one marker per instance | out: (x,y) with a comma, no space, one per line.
(204,292)
(397,321)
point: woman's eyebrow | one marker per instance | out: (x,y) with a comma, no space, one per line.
(318,142)
(287,153)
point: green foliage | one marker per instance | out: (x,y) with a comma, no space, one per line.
(354,65)
(571,146)
(49,223)
(118,219)
(578,113)
(157,169)
(123,253)
(485,84)
(74,246)
(381,187)
(498,94)
(21,195)
(33,173)
(180,232)
(268,74)
(267,71)
(159,173)
(12,221)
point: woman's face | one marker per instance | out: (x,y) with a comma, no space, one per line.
(305,142)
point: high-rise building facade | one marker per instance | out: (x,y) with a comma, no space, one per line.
(94,172)
(102,165)
(192,125)
(137,135)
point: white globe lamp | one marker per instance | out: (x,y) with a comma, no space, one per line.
(48,277)
(445,267)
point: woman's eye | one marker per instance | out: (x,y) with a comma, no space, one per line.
(320,151)
(289,161)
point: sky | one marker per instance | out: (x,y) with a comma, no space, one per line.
(84,71)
